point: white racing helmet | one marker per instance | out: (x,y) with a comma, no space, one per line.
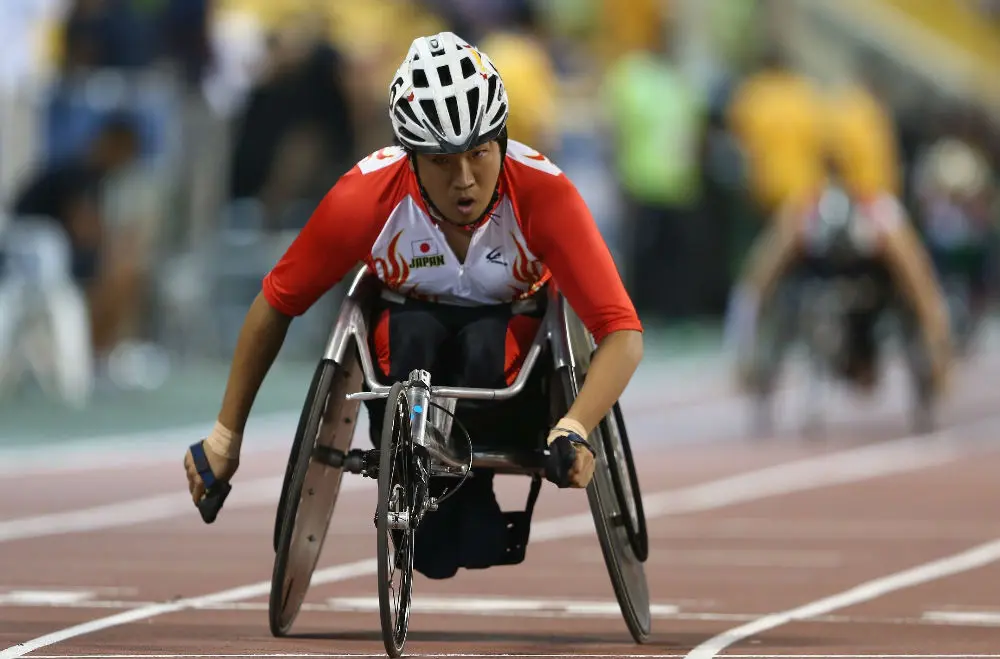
(446,96)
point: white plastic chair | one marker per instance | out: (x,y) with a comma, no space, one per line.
(44,319)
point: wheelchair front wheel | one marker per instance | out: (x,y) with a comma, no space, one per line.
(395,520)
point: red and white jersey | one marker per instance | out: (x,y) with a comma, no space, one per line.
(540,229)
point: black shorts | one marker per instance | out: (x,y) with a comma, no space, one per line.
(466,347)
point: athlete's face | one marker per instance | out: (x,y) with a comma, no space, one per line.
(461,185)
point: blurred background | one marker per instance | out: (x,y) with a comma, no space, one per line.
(157,156)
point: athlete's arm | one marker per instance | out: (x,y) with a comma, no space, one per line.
(336,237)
(772,252)
(562,233)
(909,261)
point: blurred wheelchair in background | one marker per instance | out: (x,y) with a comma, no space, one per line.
(839,301)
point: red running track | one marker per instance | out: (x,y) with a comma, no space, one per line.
(864,544)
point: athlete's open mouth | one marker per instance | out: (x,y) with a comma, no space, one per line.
(465,205)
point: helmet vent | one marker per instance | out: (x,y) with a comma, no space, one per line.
(431,111)
(452,106)
(468,67)
(490,92)
(444,75)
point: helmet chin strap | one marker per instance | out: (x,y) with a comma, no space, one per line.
(436,213)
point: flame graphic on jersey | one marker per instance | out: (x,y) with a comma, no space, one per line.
(400,271)
(525,270)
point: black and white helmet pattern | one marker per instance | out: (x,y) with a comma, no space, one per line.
(446,96)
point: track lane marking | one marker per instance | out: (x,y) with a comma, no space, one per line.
(894,457)
(976,557)
(455,655)
(535,608)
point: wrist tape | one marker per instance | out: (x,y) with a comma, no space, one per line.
(567,424)
(224,441)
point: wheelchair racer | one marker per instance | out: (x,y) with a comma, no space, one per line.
(785,245)
(464,228)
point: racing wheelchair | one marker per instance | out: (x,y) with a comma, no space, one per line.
(421,438)
(841,302)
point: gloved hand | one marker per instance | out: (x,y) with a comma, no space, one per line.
(222,450)
(570,460)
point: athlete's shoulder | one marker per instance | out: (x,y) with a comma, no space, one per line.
(378,179)
(540,193)
(527,161)
(387,160)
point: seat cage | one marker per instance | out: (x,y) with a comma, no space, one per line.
(554,333)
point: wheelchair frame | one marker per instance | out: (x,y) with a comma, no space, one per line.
(321,453)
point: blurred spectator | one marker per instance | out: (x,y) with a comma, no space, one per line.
(777,115)
(658,118)
(185,37)
(623,27)
(295,136)
(529,78)
(862,137)
(24,30)
(474,20)
(109,34)
(105,263)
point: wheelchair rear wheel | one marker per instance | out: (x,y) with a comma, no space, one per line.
(310,489)
(614,509)
(625,480)
(395,520)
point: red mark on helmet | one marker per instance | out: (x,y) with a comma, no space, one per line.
(425,247)
(410,97)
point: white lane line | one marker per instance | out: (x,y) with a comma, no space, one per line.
(971,618)
(23,457)
(494,607)
(252,493)
(38,597)
(971,559)
(807,474)
(259,589)
(742,558)
(843,529)
(456,605)
(497,606)
(836,468)
(289,655)
(898,455)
